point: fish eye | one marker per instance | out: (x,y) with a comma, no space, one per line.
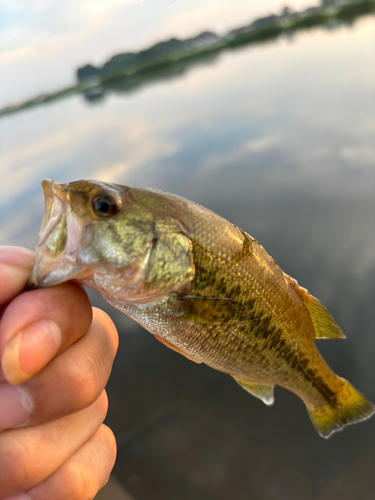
(104,205)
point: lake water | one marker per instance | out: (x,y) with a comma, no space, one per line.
(279,139)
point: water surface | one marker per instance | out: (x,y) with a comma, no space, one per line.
(279,139)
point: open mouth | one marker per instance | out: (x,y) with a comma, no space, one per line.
(53,232)
(59,240)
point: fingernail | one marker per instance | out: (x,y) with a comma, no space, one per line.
(16,406)
(30,350)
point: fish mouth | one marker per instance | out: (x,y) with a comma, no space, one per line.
(59,241)
(50,242)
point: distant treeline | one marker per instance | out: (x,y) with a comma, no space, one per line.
(265,28)
(131,70)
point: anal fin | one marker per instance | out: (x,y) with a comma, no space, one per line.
(260,391)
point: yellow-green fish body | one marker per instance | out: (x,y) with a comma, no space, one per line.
(201,285)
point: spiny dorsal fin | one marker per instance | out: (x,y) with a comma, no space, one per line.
(261,391)
(324,325)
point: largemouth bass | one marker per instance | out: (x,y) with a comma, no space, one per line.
(201,285)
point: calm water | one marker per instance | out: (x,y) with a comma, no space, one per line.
(279,139)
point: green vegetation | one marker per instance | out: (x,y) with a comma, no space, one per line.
(318,19)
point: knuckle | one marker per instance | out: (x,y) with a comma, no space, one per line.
(19,460)
(103,320)
(82,378)
(112,449)
(108,447)
(109,443)
(112,442)
(103,405)
(79,482)
(88,471)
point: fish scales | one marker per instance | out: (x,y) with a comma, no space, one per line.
(256,333)
(201,285)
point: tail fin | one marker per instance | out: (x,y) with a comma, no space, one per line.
(348,407)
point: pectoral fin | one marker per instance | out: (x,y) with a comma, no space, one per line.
(261,391)
(324,325)
(177,349)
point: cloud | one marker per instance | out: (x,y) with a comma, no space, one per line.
(17,55)
(97,7)
(222,15)
(104,149)
(152,148)
(237,154)
(359,155)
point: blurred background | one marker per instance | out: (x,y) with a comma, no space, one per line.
(264,113)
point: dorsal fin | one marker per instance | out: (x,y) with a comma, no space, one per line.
(261,391)
(324,325)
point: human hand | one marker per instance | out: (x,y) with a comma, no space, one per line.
(55,363)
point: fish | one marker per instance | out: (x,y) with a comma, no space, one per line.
(201,285)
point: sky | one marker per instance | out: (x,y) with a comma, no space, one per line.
(43,42)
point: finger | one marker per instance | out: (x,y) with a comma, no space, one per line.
(15,268)
(81,373)
(29,455)
(84,474)
(39,324)
(107,323)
